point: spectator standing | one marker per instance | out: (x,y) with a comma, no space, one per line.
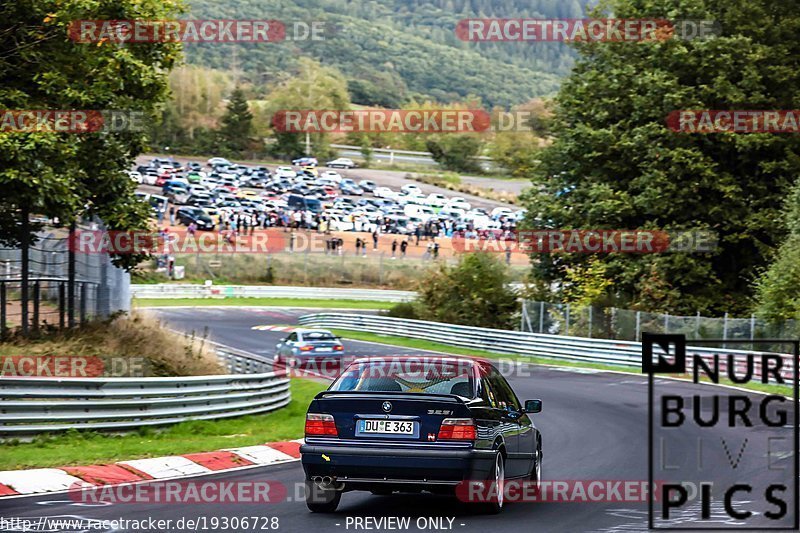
(358,245)
(374,240)
(172,215)
(394,249)
(403,247)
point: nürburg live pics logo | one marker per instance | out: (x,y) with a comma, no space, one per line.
(722,433)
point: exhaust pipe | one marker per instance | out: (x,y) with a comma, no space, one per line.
(327,483)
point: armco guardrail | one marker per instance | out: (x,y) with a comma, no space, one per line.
(168,290)
(37,405)
(512,342)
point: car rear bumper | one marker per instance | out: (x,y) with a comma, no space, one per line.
(382,465)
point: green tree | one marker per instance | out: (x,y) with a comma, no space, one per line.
(456,151)
(69,175)
(777,287)
(615,164)
(237,124)
(474,293)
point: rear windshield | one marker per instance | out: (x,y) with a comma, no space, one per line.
(318,336)
(413,376)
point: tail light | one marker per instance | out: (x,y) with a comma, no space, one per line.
(320,425)
(306,348)
(338,347)
(457,429)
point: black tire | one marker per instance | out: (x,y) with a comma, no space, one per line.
(536,471)
(319,500)
(498,479)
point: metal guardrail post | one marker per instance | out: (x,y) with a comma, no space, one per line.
(725,329)
(3,329)
(36,295)
(541,317)
(71,276)
(83,304)
(61,305)
(24,250)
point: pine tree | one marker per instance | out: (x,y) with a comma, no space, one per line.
(237,124)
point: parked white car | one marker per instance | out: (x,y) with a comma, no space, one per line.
(459,203)
(340,223)
(423,212)
(384,192)
(411,189)
(136,176)
(285,172)
(436,200)
(498,212)
(331,175)
(452,212)
(219,161)
(341,162)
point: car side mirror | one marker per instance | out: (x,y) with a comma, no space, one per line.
(533,406)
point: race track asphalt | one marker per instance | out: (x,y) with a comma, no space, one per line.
(594,426)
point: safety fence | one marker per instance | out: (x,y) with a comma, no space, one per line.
(613,352)
(52,285)
(627,324)
(41,405)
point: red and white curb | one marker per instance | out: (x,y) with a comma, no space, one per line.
(43,480)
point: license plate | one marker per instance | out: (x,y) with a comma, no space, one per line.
(324,349)
(391,427)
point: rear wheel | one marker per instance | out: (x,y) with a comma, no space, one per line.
(321,500)
(536,473)
(497,490)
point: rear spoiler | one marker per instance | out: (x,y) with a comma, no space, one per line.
(402,395)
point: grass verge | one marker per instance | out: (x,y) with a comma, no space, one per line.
(418,344)
(133,346)
(85,448)
(266,302)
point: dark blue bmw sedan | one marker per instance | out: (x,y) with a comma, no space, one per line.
(416,424)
